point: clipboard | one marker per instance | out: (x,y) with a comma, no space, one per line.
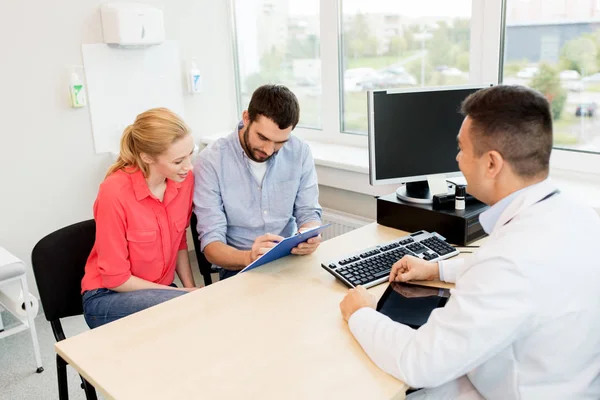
(285,247)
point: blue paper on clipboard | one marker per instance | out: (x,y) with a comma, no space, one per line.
(285,247)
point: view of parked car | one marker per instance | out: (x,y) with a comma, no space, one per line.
(355,76)
(388,79)
(402,77)
(528,72)
(360,79)
(449,71)
(569,75)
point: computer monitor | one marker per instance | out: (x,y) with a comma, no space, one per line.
(412,138)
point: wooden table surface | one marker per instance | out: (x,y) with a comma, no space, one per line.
(274,332)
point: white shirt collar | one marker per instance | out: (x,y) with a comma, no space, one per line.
(489,217)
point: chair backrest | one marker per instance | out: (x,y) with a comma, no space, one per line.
(58,262)
(203,264)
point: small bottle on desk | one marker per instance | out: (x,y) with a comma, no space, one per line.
(459,197)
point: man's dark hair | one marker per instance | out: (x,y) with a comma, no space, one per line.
(516,122)
(277,103)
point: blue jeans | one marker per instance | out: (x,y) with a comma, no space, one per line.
(101,306)
(226,273)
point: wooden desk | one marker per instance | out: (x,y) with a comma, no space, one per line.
(275,332)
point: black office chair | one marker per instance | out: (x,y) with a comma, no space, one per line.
(58,262)
(204,266)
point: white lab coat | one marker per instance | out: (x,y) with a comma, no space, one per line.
(523,321)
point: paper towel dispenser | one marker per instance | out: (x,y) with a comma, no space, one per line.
(132,24)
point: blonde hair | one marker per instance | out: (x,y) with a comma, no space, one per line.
(152,133)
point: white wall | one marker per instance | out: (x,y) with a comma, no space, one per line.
(349,202)
(49,172)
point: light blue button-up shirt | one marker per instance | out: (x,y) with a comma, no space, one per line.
(234,208)
(489,217)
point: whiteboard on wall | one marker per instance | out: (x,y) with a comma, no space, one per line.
(122,83)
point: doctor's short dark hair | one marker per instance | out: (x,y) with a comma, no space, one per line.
(516,121)
(276,102)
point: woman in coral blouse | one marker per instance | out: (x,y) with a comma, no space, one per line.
(142,211)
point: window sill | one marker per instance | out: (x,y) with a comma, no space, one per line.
(347,168)
(338,166)
(347,158)
(352,165)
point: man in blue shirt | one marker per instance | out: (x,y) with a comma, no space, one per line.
(257,185)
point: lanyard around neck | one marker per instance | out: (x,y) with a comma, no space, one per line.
(551,194)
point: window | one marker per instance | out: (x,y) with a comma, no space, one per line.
(400,44)
(278,41)
(329,52)
(555,48)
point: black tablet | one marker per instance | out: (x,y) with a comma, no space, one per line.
(411,304)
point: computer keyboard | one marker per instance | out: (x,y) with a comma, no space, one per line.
(372,266)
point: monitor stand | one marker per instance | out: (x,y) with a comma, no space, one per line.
(419,192)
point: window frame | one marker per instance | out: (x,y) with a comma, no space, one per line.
(488,25)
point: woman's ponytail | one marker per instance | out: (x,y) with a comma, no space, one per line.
(152,133)
(127,152)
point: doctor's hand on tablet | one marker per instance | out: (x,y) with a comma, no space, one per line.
(411,268)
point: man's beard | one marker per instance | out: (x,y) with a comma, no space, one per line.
(248,149)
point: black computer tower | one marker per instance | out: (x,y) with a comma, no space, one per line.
(459,227)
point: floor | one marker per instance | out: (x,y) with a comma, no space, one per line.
(18,379)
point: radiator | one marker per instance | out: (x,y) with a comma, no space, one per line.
(341,223)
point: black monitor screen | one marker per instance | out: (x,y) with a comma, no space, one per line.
(415,132)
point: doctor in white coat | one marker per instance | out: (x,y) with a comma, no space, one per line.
(523,321)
